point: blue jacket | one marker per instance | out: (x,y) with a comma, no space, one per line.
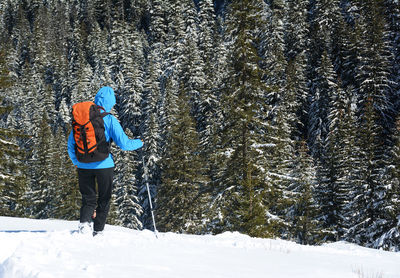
(105,97)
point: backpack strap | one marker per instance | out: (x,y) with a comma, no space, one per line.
(104,113)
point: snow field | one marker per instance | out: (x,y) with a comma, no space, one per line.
(47,248)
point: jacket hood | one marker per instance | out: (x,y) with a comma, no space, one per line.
(105,97)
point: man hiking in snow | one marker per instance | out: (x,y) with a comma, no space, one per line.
(88,148)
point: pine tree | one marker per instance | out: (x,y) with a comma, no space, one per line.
(8,17)
(98,42)
(126,201)
(367,179)
(347,60)
(325,147)
(393,20)
(179,207)
(207,35)
(214,63)
(373,73)
(281,127)
(323,22)
(41,191)
(241,188)
(85,88)
(372,77)
(295,53)
(12,173)
(132,70)
(151,133)
(159,23)
(66,196)
(303,210)
(388,225)
(341,157)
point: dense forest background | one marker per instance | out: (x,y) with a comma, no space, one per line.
(271,118)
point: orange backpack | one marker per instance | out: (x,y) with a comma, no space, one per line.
(88,129)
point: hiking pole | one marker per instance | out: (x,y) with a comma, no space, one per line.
(148,192)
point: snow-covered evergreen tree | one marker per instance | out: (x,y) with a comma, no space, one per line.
(125,197)
(133,78)
(393,20)
(388,224)
(41,192)
(373,72)
(151,133)
(372,78)
(12,173)
(326,147)
(303,209)
(180,206)
(295,53)
(63,181)
(240,192)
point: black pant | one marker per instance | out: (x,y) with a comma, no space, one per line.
(87,187)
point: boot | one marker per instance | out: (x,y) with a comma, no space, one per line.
(85,228)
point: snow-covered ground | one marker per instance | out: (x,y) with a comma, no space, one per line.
(48,248)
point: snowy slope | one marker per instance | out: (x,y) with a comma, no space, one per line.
(47,248)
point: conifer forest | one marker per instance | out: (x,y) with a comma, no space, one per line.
(271,118)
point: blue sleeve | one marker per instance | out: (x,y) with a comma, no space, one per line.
(71,148)
(121,139)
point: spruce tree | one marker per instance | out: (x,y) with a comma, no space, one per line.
(207,35)
(392,13)
(295,53)
(41,191)
(341,156)
(102,13)
(133,72)
(66,198)
(85,88)
(159,23)
(348,59)
(324,19)
(281,127)
(240,192)
(366,182)
(125,197)
(372,75)
(98,42)
(179,198)
(12,173)
(388,225)
(214,63)
(151,132)
(327,147)
(372,78)
(303,209)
